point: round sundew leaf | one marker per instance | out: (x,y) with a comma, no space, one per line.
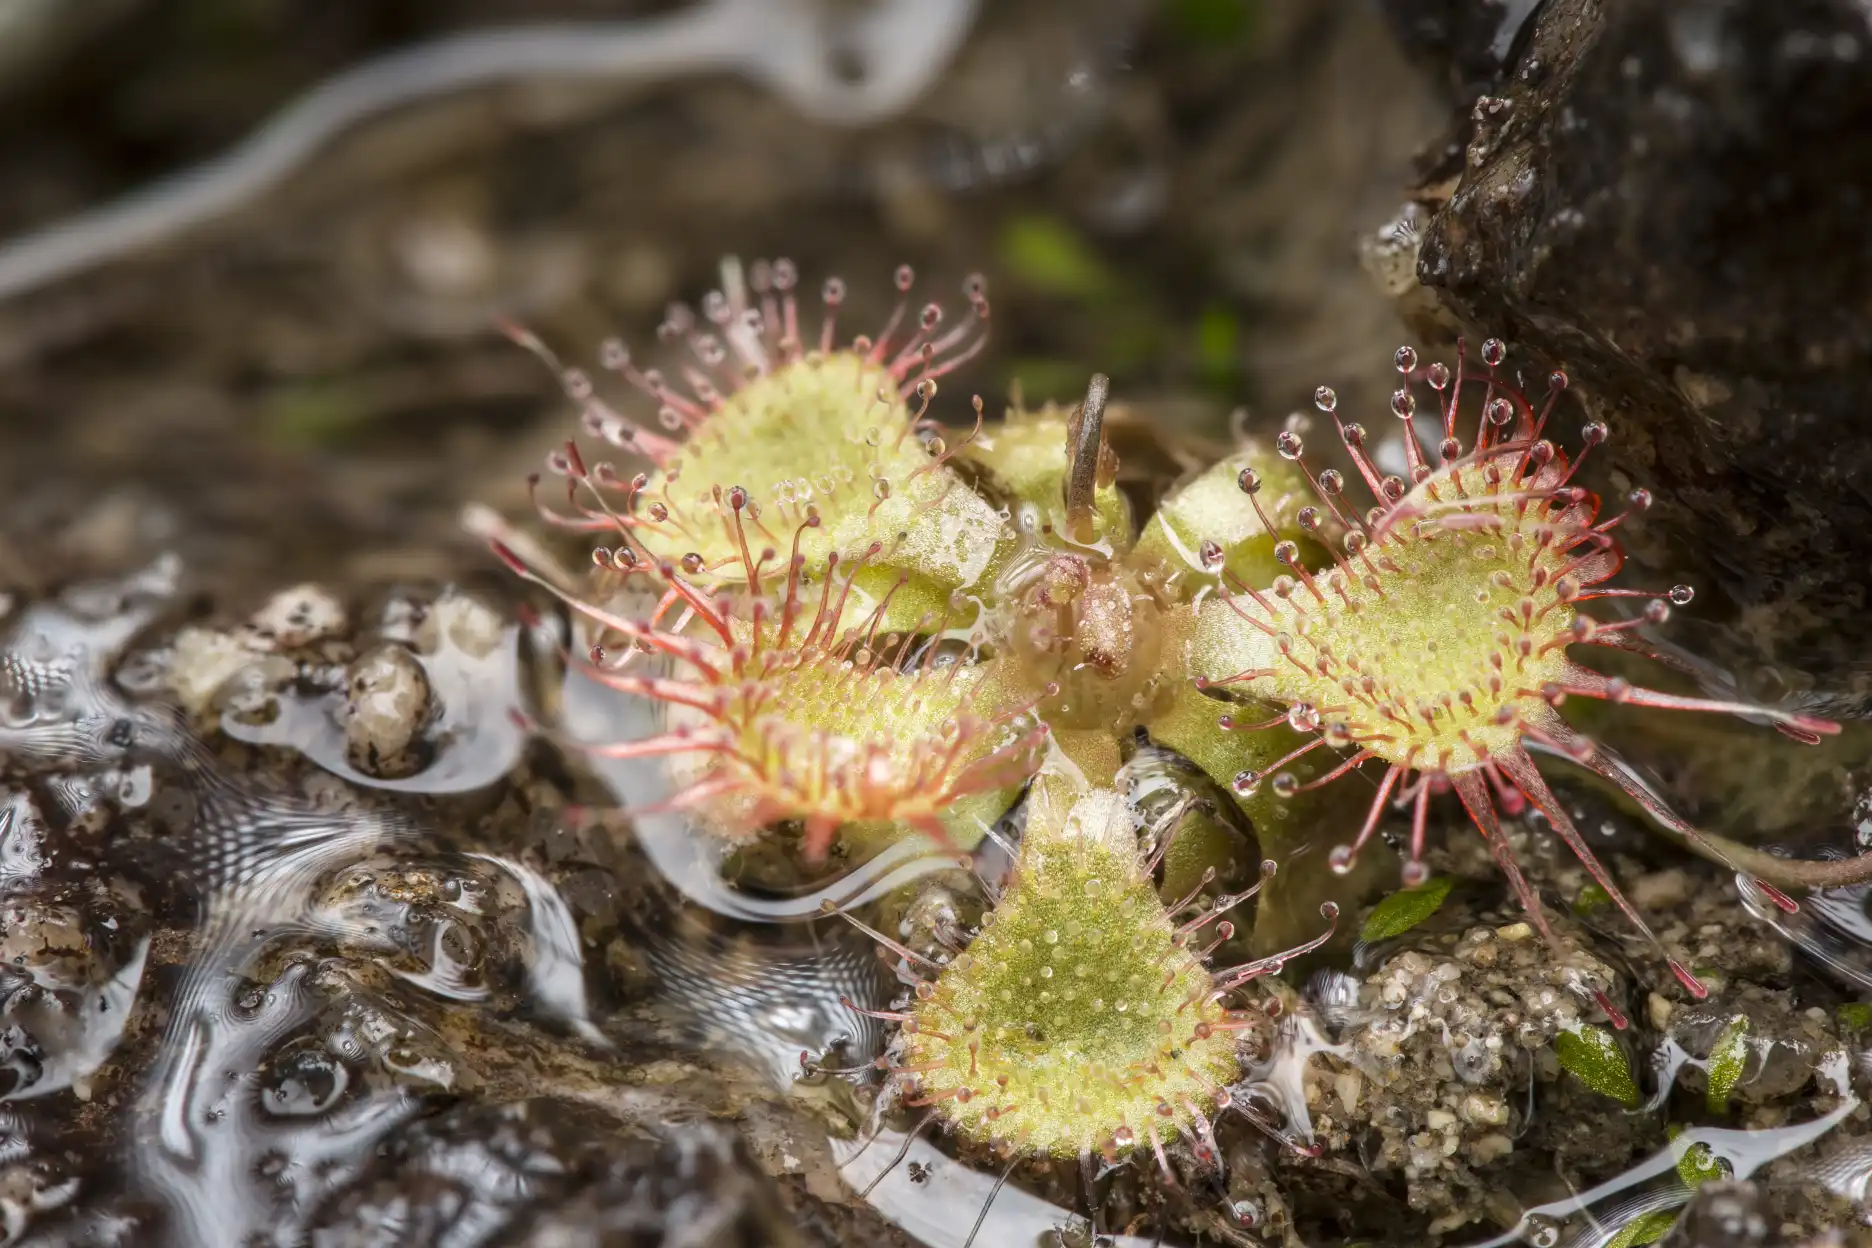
(1406,908)
(1075,1015)
(1594,1057)
(831,434)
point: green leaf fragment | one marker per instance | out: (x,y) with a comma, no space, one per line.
(1406,908)
(1594,1057)
(1855,1015)
(1646,1228)
(1726,1061)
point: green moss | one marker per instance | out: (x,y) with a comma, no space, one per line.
(1206,24)
(1049,256)
(1856,1015)
(1218,348)
(1406,908)
(1726,1062)
(1590,899)
(1593,1056)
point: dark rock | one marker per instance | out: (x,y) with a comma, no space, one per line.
(1463,43)
(1669,197)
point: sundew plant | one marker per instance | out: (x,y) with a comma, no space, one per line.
(860,624)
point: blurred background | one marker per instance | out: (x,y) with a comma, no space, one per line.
(300,370)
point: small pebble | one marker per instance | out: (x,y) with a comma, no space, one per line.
(387,702)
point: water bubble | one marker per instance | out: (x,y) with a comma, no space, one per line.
(1405,359)
(1331,483)
(1494,351)
(880,489)
(1556,380)
(1413,873)
(1211,554)
(1249,481)
(1286,553)
(1325,399)
(1286,784)
(1309,519)
(1393,488)
(1640,499)
(1680,595)
(1303,717)
(1438,375)
(1355,542)
(1340,859)
(1246,783)
(1594,433)
(1499,411)
(833,292)
(1657,611)
(1289,445)
(1403,404)
(1450,449)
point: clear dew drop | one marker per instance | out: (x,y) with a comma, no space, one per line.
(1331,483)
(1681,595)
(1405,359)
(1211,554)
(1289,445)
(1494,351)
(1339,858)
(1303,717)
(1249,481)
(1499,411)
(1325,399)
(1286,784)
(1403,404)
(1438,375)
(1246,783)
